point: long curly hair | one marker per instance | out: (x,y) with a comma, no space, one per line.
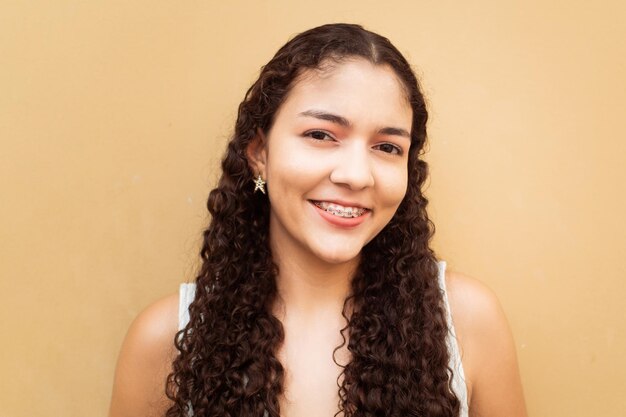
(396,332)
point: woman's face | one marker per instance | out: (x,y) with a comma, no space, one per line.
(339,144)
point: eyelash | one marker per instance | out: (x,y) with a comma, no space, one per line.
(311,132)
(396,148)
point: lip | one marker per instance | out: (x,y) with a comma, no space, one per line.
(343,222)
(344,203)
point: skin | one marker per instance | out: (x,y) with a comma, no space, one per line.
(306,157)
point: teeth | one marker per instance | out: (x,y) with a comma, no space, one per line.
(339,210)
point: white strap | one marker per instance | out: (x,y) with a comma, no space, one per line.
(187,292)
(458,378)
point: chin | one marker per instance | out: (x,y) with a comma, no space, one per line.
(337,256)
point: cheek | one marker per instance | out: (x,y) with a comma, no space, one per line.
(291,169)
(393,183)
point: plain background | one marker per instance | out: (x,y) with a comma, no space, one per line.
(114,116)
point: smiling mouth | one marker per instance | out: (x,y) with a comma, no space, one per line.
(339,210)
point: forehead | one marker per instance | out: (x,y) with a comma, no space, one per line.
(355,89)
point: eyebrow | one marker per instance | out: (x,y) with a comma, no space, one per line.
(342,121)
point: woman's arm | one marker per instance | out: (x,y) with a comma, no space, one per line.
(145,361)
(487,348)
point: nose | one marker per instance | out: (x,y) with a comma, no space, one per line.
(353,168)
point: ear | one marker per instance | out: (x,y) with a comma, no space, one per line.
(256,151)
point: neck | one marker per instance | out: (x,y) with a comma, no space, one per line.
(308,287)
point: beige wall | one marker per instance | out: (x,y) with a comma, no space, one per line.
(113,117)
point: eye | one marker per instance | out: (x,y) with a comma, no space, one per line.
(318,135)
(390,148)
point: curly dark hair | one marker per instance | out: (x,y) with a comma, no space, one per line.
(396,333)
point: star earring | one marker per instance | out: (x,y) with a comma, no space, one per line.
(259,184)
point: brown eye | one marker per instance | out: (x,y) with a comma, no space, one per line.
(318,135)
(389,148)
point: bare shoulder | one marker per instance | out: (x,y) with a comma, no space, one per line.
(487,347)
(156,325)
(473,304)
(145,361)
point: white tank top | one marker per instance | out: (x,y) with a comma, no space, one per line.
(188,291)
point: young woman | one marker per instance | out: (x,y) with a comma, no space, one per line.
(319,294)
